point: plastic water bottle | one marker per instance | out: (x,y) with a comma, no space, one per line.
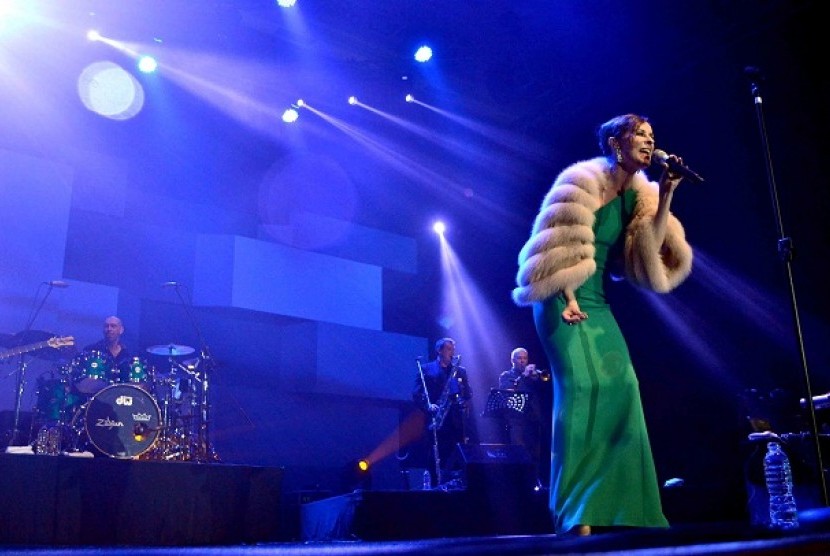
(782,510)
(427,480)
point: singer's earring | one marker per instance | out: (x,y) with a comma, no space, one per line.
(619,154)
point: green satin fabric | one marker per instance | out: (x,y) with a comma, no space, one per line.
(602,471)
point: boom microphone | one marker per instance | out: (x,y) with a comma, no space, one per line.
(170,285)
(663,158)
(57,284)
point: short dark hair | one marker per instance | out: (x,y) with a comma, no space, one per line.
(618,126)
(442,342)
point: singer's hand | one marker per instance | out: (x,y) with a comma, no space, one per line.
(433,408)
(668,179)
(572,314)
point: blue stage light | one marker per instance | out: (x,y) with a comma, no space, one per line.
(147,64)
(423,54)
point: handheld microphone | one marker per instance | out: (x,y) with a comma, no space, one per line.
(170,285)
(663,158)
(57,284)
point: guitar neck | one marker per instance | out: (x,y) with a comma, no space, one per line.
(23,349)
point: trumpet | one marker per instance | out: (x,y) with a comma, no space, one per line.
(541,374)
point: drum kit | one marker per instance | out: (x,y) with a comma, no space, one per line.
(128,409)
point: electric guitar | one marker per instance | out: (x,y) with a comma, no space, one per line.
(54,342)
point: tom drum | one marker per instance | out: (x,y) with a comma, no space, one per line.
(136,371)
(91,372)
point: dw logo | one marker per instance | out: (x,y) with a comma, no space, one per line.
(124,400)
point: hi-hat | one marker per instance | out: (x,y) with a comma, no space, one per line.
(170,350)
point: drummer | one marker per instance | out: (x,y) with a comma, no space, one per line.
(110,345)
(119,364)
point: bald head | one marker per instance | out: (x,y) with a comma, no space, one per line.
(113,329)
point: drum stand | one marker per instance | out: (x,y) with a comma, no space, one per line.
(183,427)
(168,445)
(18,397)
(21,370)
(203,450)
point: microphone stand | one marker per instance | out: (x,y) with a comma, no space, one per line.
(785,251)
(21,368)
(435,453)
(204,452)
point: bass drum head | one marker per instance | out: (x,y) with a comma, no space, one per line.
(122,421)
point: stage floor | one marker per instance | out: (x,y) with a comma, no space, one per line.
(686,540)
(54,505)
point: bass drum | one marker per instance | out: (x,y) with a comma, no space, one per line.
(121,421)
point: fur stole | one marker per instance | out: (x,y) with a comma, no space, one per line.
(560,251)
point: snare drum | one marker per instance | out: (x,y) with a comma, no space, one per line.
(121,421)
(91,372)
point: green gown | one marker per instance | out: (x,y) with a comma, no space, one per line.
(602,471)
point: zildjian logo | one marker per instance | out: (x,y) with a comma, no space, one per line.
(108,423)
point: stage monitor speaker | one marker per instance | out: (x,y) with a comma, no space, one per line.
(501,480)
(502,466)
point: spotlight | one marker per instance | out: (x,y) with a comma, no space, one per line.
(423,54)
(300,103)
(355,475)
(93,35)
(352,100)
(439,228)
(147,64)
(286,3)
(110,91)
(409,98)
(290,115)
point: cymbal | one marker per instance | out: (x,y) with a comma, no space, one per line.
(170,350)
(30,337)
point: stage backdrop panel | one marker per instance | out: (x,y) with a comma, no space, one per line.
(234,271)
(347,240)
